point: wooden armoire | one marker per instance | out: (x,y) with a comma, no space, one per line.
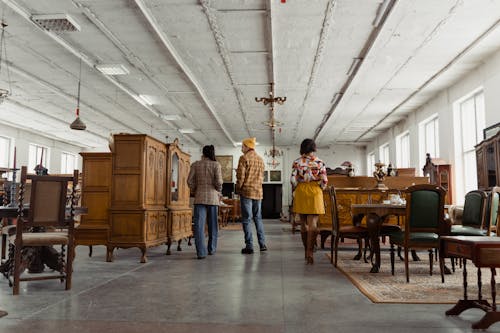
(138,217)
(137,195)
(179,212)
(488,163)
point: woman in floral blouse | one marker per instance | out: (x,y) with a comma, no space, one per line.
(308,181)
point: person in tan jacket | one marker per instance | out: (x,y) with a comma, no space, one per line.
(249,177)
(205,181)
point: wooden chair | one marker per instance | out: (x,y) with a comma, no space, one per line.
(357,232)
(47,215)
(424,224)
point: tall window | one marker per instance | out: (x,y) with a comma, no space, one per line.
(4,152)
(68,162)
(403,150)
(471,117)
(36,154)
(370,163)
(384,154)
(429,138)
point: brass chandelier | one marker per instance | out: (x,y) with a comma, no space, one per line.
(272,124)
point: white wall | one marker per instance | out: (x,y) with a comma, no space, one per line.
(487,77)
(22,139)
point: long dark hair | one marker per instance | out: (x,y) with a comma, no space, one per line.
(307,146)
(209,152)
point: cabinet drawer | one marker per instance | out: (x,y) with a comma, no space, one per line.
(458,250)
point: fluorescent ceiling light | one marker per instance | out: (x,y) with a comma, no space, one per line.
(112,69)
(148,99)
(170,117)
(186,130)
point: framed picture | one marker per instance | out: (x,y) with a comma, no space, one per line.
(226,163)
(275,175)
(266,178)
(490,131)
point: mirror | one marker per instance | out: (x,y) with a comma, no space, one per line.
(175,178)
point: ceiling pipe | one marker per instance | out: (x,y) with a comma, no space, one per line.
(361,56)
(170,48)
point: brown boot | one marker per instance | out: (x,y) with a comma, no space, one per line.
(304,242)
(311,241)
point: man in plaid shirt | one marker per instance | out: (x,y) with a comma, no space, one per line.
(249,177)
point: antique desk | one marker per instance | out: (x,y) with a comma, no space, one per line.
(375,214)
(483,252)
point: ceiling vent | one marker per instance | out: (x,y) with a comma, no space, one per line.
(56,22)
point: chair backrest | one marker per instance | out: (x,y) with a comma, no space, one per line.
(494,199)
(333,208)
(48,198)
(474,213)
(424,208)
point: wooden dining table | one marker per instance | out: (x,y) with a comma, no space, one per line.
(375,215)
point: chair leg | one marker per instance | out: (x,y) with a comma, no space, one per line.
(431,261)
(335,246)
(69,267)
(393,257)
(17,271)
(407,268)
(367,244)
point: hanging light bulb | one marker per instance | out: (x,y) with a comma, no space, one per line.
(78,124)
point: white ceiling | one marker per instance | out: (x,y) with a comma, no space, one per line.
(206,61)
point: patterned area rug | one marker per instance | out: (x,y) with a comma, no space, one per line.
(383,287)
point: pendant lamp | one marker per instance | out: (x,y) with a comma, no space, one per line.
(78,124)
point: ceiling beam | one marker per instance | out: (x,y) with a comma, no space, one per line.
(170,48)
(224,53)
(381,17)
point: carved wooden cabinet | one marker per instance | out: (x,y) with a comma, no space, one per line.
(177,198)
(96,196)
(138,217)
(488,163)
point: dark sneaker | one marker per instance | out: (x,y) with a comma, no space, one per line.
(200,257)
(246,251)
(263,248)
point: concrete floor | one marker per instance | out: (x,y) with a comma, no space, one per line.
(272,291)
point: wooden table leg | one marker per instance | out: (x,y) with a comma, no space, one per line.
(373,223)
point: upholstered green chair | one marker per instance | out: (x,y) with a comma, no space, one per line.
(494,199)
(424,224)
(357,232)
(474,216)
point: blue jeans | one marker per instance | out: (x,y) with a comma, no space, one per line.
(250,208)
(201,212)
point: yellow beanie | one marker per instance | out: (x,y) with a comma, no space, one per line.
(249,142)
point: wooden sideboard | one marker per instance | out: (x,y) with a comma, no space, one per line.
(488,163)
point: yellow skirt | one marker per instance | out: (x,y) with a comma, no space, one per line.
(308,199)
